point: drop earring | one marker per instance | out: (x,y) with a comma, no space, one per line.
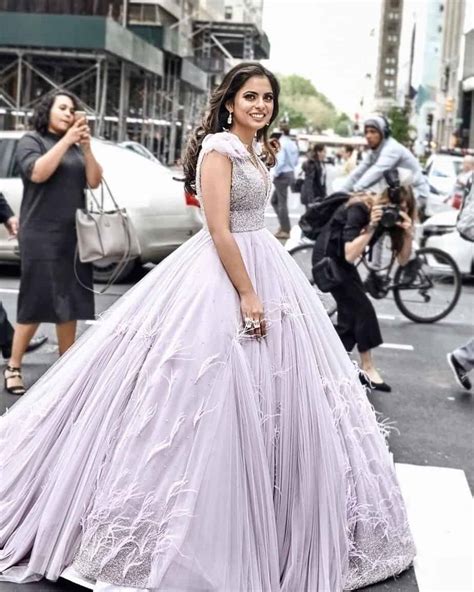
(229,119)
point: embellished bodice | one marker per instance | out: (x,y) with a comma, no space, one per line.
(251,184)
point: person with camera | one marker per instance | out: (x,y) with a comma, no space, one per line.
(354,227)
(56,164)
(385,154)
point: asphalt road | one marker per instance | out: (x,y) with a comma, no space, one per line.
(430,415)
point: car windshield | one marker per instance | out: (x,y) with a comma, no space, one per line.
(446,167)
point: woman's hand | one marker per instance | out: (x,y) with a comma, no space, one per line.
(406,223)
(375,215)
(12,227)
(75,134)
(253,315)
(85,140)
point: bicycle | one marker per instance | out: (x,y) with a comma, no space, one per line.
(425,290)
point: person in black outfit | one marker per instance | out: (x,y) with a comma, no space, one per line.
(314,183)
(56,164)
(353,227)
(9,220)
(320,174)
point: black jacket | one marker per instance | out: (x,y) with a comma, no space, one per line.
(5,210)
(319,182)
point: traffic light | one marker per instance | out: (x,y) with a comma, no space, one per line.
(449,104)
(429,119)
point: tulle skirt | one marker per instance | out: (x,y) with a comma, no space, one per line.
(168,450)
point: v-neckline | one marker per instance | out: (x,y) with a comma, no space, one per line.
(258,165)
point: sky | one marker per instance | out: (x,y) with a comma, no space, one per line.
(334,43)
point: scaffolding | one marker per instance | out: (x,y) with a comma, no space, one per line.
(130,88)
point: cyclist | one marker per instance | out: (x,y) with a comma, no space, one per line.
(386,154)
(354,226)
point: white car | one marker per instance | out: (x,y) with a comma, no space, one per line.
(163,214)
(139,149)
(441,171)
(440,231)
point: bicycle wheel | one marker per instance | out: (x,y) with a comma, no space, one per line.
(428,289)
(302,255)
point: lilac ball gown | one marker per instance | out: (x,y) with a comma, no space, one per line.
(167,450)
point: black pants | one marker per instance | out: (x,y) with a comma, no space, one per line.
(6,330)
(357,322)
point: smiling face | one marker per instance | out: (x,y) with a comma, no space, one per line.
(61,116)
(252,106)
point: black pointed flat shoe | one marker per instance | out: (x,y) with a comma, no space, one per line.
(381,386)
(374,386)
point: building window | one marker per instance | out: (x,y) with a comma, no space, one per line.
(144,13)
(390,60)
(395,4)
(390,71)
(392,38)
(228,13)
(393,16)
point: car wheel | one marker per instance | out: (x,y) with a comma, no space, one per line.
(104,271)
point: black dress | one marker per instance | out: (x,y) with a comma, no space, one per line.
(49,290)
(357,322)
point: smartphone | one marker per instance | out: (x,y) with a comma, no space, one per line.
(79,115)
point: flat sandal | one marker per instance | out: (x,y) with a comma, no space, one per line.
(18,389)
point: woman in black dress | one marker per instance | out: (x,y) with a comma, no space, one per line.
(56,164)
(354,226)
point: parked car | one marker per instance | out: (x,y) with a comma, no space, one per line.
(163,214)
(440,231)
(441,171)
(139,149)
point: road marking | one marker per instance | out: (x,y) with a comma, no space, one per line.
(398,346)
(384,317)
(9,291)
(439,506)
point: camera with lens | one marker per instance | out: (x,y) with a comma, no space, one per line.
(391,212)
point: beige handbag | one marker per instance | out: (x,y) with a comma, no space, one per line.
(105,234)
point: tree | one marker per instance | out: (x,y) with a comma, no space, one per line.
(304,105)
(343,125)
(295,118)
(400,124)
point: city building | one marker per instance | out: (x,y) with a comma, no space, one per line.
(448,96)
(467,103)
(389,45)
(422,74)
(143,69)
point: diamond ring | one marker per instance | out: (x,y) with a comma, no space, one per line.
(248,323)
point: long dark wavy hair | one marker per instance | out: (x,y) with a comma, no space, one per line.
(407,197)
(215,117)
(43,110)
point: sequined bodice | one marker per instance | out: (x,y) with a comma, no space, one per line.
(250,189)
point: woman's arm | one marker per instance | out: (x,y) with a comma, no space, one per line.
(47,164)
(404,255)
(216,177)
(93,168)
(354,249)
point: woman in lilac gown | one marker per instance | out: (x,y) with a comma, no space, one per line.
(209,433)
